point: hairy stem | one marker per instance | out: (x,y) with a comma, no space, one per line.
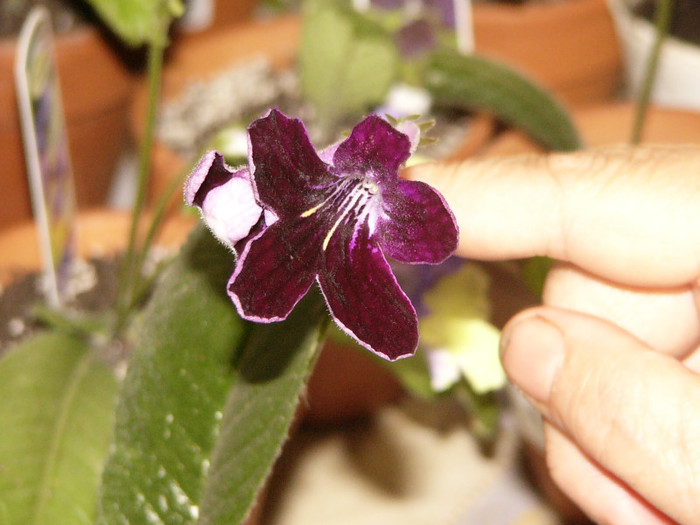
(131,266)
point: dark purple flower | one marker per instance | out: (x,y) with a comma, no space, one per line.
(416,38)
(225,198)
(423,20)
(331,218)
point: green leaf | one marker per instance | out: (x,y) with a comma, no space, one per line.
(347,62)
(56,413)
(208,398)
(174,393)
(473,82)
(535,271)
(137,22)
(273,371)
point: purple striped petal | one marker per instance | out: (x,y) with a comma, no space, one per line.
(276,270)
(224,197)
(288,172)
(418,226)
(374,148)
(300,216)
(364,297)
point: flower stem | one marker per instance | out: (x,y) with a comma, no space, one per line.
(156,220)
(662,20)
(130,270)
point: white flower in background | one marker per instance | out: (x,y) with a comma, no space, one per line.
(456,334)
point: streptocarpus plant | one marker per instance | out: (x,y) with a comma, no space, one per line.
(331,217)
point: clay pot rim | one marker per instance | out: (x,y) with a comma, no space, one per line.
(515,142)
(526,13)
(19,244)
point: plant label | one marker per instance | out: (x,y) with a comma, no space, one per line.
(46,150)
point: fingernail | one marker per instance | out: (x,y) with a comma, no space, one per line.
(532,351)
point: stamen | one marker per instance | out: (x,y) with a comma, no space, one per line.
(346,207)
(311,211)
(354,201)
(370,186)
(338,189)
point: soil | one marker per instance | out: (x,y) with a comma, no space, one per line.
(94,289)
(685,20)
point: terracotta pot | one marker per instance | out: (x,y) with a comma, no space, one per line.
(610,124)
(96,88)
(100,232)
(347,384)
(568,46)
(278,40)
(202,58)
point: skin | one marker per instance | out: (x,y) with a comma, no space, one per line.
(611,358)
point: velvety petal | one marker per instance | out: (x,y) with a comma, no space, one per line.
(287,171)
(231,211)
(211,171)
(276,270)
(224,197)
(364,297)
(374,148)
(327,153)
(418,226)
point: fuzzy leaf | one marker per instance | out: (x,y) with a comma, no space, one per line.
(272,373)
(56,407)
(208,398)
(347,62)
(474,82)
(174,393)
(137,22)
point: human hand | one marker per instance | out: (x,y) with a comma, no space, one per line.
(611,359)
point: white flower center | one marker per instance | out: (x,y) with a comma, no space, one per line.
(354,199)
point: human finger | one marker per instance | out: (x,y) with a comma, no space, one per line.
(632,410)
(664,318)
(626,214)
(603,497)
